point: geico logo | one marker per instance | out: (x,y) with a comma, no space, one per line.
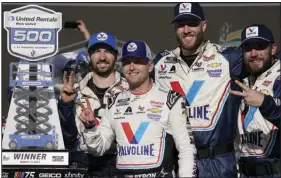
(49,175)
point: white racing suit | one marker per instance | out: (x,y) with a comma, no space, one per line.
(259,128)
(212,111)
(147,129)
(72,128)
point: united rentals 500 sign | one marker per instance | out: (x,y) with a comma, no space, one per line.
(32,32)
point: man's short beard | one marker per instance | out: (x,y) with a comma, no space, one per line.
(105,73)
(265,67)
(197,43)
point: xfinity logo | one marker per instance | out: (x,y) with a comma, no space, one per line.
(74,175)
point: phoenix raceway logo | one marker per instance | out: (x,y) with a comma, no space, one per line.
(134,139)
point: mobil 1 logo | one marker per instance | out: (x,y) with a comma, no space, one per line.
(32,32)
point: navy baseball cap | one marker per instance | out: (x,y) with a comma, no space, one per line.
(102,38)
(188,11)
(136,48)
(256,33)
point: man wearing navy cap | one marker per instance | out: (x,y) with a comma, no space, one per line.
(147,122)
(259,121)
(202,71)
(97,86)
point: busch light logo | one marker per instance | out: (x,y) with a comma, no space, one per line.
(32,32)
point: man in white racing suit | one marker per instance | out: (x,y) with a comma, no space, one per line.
(202,72)
(259,121)
(148,123)
(97,86)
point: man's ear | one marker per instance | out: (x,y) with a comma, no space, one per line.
(150,65)
(273,49)
(204,26)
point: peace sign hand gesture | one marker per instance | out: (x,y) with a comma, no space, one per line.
(87,115)
(251,97)
(68,91)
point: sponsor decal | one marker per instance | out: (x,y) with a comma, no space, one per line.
(123,102)
(128,111)
(144,150)
(157,103)
(170,60)
(252,31)
(198,112)
(140,110)
(266,82)
(134,138)
(57,158)
(214,65)
(208,58)
(199,69)
(266,92)
(254,138)
(132,47)
(198,64)
(102,36)
(214,72)
(50,175)
(185,8)
(173,69)
(24,174)
(155,117)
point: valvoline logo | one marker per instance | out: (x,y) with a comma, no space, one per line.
(163,67)
(134,138)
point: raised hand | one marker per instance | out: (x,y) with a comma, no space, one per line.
(82,27)
(251,97)
(87,115)
(68,91)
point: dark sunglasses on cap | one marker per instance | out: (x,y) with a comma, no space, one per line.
(193,23)
(257,46)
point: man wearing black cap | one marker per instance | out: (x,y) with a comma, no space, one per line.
(146,121)
(97,85)
(259,121)
(202,72)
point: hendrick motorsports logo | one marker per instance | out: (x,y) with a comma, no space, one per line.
(32,32)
